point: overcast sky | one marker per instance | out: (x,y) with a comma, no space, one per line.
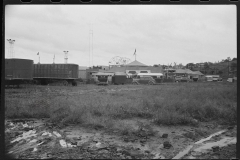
(161,34)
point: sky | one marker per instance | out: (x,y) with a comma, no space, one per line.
(161,34)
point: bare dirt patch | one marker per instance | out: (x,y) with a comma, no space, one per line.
(116,121)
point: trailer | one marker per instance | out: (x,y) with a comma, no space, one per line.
(119,78)
(18,71)
(61,74)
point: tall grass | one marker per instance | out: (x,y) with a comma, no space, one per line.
(172,104)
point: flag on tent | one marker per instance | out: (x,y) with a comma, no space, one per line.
(134,52)
(38,53)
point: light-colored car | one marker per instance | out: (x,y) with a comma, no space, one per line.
(230,80)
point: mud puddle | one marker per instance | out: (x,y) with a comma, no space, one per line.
(39,139)
(210,146)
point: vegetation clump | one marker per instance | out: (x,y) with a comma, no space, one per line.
(182,104)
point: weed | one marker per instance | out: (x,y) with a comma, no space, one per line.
(181,104)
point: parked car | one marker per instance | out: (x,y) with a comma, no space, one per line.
(213,78)
(230,80)
(220,79)
(182,79)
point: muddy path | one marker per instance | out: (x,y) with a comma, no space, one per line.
(40,139)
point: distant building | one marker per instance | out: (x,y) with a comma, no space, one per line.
(136,67)
(82,72)
(188,73)
(86,72)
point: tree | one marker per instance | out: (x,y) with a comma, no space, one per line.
(180,65)
(206,65)
(210,63)
(220,72)
(234,59)
(233,66)
(190,65)
(164,66)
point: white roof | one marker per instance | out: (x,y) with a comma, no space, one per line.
(150,74)
(212,76)
(135,63)
(102,74)
(120,73)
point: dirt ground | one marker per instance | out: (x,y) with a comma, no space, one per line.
(40,139)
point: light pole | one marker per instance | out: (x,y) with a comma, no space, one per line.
(66,56)
(11,51)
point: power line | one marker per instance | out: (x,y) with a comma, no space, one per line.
(11,48)
(90,45)
(66,56)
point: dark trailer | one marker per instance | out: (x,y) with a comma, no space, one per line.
(18,71)
(51,73)
(119,78)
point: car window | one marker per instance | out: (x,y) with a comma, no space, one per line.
(132,72)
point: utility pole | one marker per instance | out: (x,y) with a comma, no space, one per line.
(66,56)
(228,67)
(167,70)
(90,44)
(38,58)
(54,59)
(11,50)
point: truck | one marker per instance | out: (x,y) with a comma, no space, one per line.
(148,78)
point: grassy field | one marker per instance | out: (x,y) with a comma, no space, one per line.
(104,106)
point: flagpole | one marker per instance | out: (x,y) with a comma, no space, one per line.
(38,58)
(135,54)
